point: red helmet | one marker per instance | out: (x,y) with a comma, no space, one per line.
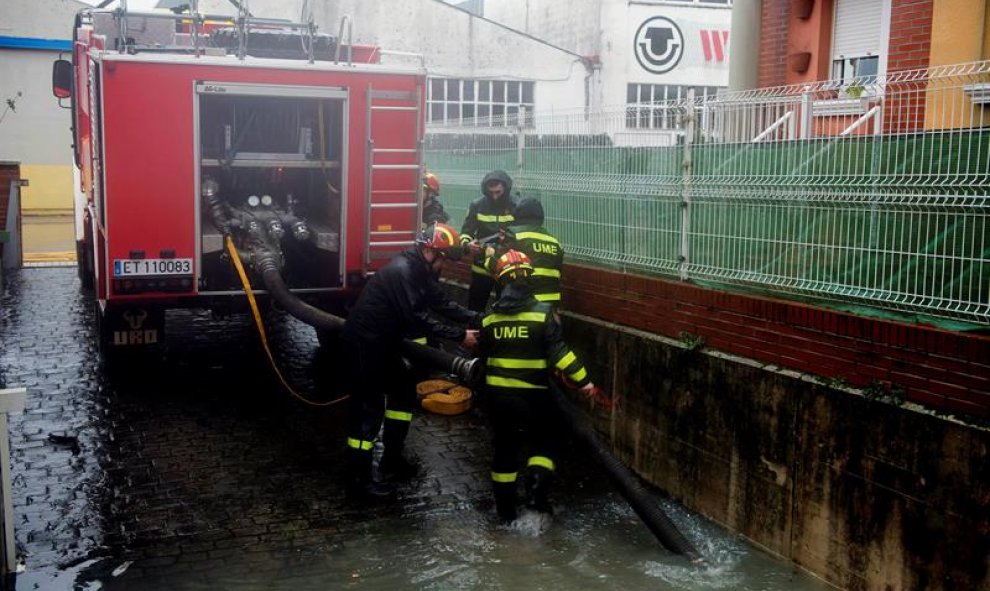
(439,236)
(513,265)
(431,183)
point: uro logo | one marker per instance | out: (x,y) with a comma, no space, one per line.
(658,44)
(135,318)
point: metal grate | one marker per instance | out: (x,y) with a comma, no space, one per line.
(872,192)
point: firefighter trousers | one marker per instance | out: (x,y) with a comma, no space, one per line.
(382,389)
(479,290)
(523,423)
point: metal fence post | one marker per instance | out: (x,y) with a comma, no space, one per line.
(686,169)
(11,400)
(807,113)
(521,139)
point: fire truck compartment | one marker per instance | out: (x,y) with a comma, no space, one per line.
(270,162)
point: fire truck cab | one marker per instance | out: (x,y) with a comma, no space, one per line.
(192,129)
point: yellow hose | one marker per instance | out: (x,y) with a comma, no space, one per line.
(261,328)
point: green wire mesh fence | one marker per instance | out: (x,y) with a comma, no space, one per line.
(872,192)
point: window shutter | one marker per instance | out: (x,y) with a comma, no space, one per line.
(857,28)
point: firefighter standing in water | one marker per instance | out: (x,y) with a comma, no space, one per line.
(433,211)
(487,216)
(396,303)
(522,341)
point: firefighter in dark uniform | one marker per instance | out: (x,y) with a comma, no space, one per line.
(487,216)
(522,342)
(396,303)
(433,211)
(544,250)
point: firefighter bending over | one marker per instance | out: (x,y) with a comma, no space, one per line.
(433,211)
(396,302)
(523,341)
(487,217)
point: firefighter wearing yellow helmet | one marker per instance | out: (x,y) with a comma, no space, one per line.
(522,342)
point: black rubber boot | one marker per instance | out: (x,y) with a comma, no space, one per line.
(360,487)
(537,482)
(396,468)
(505,500)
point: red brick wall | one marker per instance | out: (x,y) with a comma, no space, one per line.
(910,34)
(774,42)
(937,368)
(910,44)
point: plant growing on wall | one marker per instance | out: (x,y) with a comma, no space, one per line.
(11,105)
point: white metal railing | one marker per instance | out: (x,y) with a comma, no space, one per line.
(878,199)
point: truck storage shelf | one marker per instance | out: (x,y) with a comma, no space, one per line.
(269,162)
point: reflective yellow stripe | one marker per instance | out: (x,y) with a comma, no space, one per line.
(420,340)
(541,461)
(479,270)
(465,238)
(503,476)
(537,236)
(495,218)
(566,360)
(398,415)
(545,272)
(517,363)
(579,375)
(358,444)
(547,297)
(520,317)
(511,383)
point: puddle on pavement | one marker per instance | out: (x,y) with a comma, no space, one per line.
(596,544)
(201,479)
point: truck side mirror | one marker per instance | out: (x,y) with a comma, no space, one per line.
(62,79)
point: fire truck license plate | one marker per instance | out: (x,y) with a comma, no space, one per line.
(133,267)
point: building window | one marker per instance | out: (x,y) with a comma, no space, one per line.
(654,106)
(479,103)
(858,42)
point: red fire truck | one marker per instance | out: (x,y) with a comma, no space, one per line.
(192,128)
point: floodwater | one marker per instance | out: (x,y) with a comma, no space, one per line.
(195,471)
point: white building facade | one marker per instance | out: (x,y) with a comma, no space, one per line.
(35,132)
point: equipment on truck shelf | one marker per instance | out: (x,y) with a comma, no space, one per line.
(189,129)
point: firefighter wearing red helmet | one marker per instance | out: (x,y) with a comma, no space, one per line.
(394,305)
(433,211)
(522,342)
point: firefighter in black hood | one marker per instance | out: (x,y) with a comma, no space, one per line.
(522,342)
(487,217)
(528,235)
(396,303)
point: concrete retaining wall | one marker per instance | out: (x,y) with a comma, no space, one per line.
(865,494)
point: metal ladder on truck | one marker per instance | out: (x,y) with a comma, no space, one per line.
(394,173)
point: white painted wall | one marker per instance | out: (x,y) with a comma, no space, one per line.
(607,28)
(573,25)
(454,43)
(38,131)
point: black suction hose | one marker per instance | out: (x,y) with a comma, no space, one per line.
(629,486)
(468,370)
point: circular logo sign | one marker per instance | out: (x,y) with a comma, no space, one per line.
(658,44)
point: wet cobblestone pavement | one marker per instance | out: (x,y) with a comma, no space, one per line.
(197,471)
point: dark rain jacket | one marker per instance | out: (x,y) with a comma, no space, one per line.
(397,303)
(433,212)
(522,343)
(485,216)
(529,236)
